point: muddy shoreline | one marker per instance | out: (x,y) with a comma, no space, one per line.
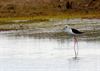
(51,28)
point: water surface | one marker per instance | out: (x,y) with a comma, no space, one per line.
(25,53)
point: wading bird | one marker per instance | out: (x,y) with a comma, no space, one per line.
(74,33)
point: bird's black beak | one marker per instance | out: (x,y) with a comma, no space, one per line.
(64,29)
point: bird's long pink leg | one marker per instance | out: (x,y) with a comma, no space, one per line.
(75,48)
(76,45)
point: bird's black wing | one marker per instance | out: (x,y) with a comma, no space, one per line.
(76,31)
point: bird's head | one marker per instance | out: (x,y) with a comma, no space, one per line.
(65,28)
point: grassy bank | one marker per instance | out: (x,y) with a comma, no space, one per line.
(17,23)
(56,15)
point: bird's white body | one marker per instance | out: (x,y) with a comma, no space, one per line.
(68,30)
(72,31)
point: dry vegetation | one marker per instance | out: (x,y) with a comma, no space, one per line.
(27,8)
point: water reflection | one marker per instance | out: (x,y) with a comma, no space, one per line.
(25,53)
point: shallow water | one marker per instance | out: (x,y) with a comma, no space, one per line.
(25,53)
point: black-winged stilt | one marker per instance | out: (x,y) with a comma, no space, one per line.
(74,33)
